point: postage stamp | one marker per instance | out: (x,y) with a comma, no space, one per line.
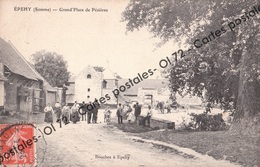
(17,146)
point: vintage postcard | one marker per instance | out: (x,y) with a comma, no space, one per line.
(129,83)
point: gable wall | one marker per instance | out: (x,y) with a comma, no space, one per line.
(82,84)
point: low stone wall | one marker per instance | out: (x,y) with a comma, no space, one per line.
(159,123)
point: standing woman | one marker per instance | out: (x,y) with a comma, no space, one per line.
(74,113)
(125,110)
(48,114)
(58,111)
(66,113)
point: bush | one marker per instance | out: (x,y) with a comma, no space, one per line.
(204,121)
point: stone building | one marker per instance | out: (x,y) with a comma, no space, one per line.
(91,83)
(87,85)
(22,88)
(147,92)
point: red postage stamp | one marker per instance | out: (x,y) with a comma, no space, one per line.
(17,146)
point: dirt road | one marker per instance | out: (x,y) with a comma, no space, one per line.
(99,145)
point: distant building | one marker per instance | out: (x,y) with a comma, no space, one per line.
(22,88)
(148,91)
(91,83)
(70,93)
(88,85)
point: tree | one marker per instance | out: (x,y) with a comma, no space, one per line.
(52,67)
(99,68)
(223,66)
(102,69)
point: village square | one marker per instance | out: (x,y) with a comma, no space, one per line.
(129,83)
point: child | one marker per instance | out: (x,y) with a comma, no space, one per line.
(107,115)
(130,116)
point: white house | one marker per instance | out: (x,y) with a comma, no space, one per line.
(92,83)
(88,85)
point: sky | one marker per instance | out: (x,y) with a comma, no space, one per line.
(83,38)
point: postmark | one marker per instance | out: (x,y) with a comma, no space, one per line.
(17,144)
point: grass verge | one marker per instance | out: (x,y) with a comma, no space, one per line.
(243,150)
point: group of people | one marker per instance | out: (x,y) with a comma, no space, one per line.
(125,112)
(66,113)
(89,114)
(160,106)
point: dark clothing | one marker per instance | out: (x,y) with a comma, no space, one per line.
(148,120)
(168,109)
(161,107)
(83,111)
(96,106)
(95,113)
(58,113)
(65,118)
(83,117)
(119,114)
(74,117)
(136,118)
(137,110)
(120,119)
(89,115)
(48,117)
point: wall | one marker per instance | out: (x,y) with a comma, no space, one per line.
(113,99)
(50,97)
(82,84)
(15,102)
(111,83)
(148,100)
(70,98)
(10,97)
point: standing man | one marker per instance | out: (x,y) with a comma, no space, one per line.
(57,108)
(83,107)
(119,114)
(96,106)
(161,106)
(137,113)
(94,118)
(148,115)
(89,113)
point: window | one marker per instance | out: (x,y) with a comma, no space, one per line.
(88,97)
(89,76)
(88,90)
(104,84)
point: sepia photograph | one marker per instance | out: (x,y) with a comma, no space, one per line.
(129,83)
